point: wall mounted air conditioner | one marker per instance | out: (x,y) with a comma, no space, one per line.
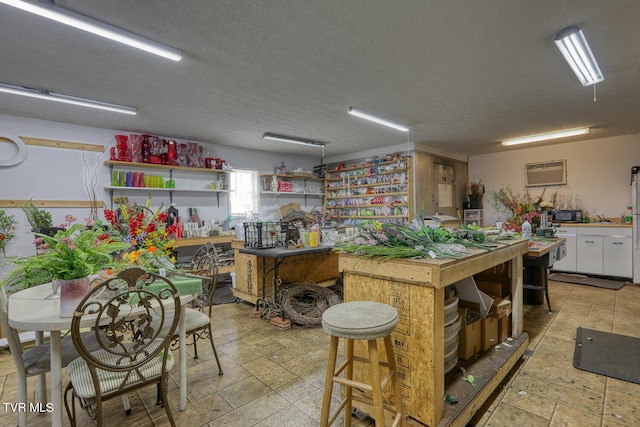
(542,174)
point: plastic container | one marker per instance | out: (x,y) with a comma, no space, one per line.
(526,230)
(450,310)
(451,359)
(628,217)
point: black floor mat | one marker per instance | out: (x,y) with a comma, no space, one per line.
(607,354)
(223,295)
(587,280)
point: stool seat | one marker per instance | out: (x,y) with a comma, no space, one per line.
(360,320)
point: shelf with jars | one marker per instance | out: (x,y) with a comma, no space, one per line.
(292,185)
(126,177)
(373,190)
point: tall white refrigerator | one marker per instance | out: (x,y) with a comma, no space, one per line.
(635,203)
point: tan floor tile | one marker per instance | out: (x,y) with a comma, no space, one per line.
(622,408)
(530,402)
(244,392)
(269,372)
(251,414)
(290,416)
(567,416)
(507,415)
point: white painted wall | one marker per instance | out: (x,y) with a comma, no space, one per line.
(60,174)
(598,170)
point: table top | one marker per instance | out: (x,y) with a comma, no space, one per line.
(542,246)
(30,310)
(284,252)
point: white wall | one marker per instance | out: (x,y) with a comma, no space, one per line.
(598,170)
(60,174)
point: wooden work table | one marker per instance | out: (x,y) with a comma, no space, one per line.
(416,287)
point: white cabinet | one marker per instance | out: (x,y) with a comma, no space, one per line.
(603,251)
(617,256)
(569,262)
(590,254)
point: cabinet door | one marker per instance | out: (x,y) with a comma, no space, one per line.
(569,262)
(617,256)
(589,251)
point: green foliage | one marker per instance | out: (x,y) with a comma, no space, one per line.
(71,254)
(38,218)
(7,229)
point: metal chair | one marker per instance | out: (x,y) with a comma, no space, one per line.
(132,354)
(36,361)
(198,317)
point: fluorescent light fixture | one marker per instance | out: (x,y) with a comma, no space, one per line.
(546,136)
(377,119)
(85,23)
(67,99)
(293,140)
(575,49)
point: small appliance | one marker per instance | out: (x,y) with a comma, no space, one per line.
(566,215)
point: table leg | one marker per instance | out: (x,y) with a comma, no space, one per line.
(182,333)
(42,378)
(56,378)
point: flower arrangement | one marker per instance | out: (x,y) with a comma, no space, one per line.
(7,229)
(79,251)
(150,239)
(392,240)
(476,188)
(522,207)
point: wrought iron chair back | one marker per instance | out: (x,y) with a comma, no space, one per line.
(127,316)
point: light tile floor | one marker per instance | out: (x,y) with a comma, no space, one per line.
(275,378)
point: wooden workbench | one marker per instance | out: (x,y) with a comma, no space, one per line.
(416,288)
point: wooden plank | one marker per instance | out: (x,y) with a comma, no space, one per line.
(53,143)
(43,204)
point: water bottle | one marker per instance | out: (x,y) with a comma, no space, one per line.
(526,230)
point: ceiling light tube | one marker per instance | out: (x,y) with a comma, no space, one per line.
(85,23)
(293,140)
(67,99)
(576,51)
(546,136)
(377,119)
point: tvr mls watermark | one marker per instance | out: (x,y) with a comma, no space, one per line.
(24,407)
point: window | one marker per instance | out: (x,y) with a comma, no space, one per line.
(244,192)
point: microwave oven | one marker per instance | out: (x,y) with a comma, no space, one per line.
(566,215)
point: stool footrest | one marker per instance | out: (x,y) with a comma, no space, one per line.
(352,383)
(333,416)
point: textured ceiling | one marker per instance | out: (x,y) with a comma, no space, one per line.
(461,74)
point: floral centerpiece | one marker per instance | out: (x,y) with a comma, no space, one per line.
(150,239)
(522,207)
(77,252)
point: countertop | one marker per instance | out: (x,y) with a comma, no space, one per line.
(595,224)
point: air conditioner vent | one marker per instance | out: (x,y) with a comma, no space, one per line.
(546,173)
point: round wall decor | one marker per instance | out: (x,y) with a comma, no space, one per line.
(20,155)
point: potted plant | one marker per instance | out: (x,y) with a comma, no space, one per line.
(75,253)
(39,219)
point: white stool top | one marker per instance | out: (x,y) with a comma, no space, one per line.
(360,320)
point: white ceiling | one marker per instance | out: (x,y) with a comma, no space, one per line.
(461,74)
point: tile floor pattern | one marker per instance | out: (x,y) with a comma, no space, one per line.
(275,378)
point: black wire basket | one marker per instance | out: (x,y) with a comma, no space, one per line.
(263,235)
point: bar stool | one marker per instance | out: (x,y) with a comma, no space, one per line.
(361,320)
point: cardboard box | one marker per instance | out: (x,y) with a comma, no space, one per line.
(501,307)
(504,328)
(489,326)
(289,208)
(470,336)
(471,297)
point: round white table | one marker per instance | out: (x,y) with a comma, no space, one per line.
(30,310)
